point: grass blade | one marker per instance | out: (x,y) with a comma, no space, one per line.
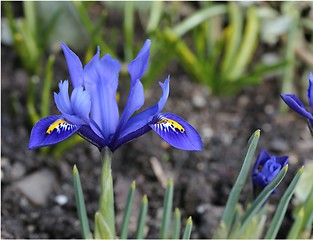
(248,44)
(290,55)
(197,18)
(45,97)
(233,35)
(177,224)
(297,224)
(142,218)
(262,198)
(128,30)
(188,229)
(167,209)
(127,210)
(155,15)
(232,201)
(282,207)
(80,204)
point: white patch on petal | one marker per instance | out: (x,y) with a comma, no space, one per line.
(167,125)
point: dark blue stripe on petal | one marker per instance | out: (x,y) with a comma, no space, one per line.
(87,133)
(49,131)
(176,132)
(130,136)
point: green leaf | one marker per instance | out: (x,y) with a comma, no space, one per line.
(297,225)
(233,198)
(248,44)
(46,91)
(262,198)
(129,10)
(156,11)
(197,18)
(233,35)
(177,224)
(80,204)
(102,229)
(254,227)
(127,210)
(188,229)
(142,218)
(305,184)
(282,207)
(167,209)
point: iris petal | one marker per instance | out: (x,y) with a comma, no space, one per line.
(74,65)
(310,91)
(296,105)
(101,79)
(144,117)
(139,65)
(261,160)
(134,102)
(81,104)
(87,133)
(177,132)
(49,131)
(62,100)
(127,138)
(282,160)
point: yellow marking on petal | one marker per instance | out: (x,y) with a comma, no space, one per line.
(174,124)
(55,125)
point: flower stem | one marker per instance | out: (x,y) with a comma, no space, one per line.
(106,201)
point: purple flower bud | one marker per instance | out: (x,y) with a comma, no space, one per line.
(265,170)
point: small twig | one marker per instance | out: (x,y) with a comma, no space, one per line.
(159,172)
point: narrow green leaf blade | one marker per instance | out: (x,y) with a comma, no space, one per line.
(129,10)
(232,201)
(262,197)
(127,210)
(188,229)
(142,218)
(167,209)
(177,224)
(80,204)
(197,18)
(297,224)
(155,15)
(46,91)
(282,207)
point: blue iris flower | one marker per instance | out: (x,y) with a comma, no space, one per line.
(92,111)
(296,105)
(265,169)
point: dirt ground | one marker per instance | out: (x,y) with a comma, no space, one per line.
(37,195)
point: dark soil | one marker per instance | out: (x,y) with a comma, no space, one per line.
(203,179)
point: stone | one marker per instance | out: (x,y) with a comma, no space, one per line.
(37,186)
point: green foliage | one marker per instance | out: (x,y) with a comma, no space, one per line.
(250,222)
(210,53)
(80,203)
(105,216)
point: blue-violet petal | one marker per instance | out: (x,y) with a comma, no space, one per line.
(176,132)
(49,131)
